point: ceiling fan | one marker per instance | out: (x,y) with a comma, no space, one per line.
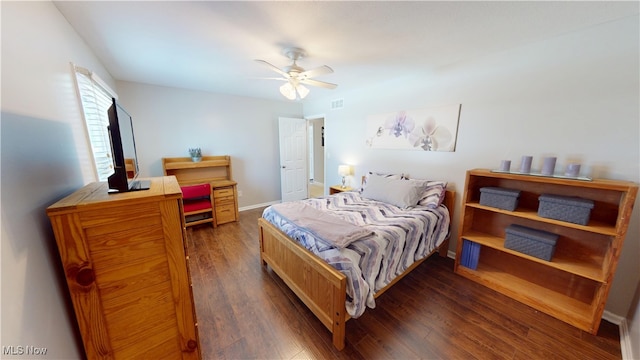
(295,76)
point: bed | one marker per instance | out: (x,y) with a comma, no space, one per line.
(323,272)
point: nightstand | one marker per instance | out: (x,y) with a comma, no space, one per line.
(338,188)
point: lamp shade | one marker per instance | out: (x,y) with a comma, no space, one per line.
(302,91)
(288,91)
(293,90)
(344,170)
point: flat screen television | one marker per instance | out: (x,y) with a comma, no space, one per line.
(123,150)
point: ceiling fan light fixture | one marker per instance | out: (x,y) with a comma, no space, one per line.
(295,75)
(293,92)
(288,91)
(302,91)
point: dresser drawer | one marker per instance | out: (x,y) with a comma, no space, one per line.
(225,214)
(223,192)
(224,201)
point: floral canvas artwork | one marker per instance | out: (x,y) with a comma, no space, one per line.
(428,129)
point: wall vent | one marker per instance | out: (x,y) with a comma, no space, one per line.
(337,104)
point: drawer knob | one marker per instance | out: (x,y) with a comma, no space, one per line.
(85,277)
(192,345)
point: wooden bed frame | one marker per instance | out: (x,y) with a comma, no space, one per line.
(320,286)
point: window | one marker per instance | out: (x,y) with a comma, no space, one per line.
(96,97)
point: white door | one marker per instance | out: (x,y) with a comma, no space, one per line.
(293,158)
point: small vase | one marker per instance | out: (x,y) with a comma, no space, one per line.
(196,158)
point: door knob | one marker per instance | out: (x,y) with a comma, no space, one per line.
(284,167)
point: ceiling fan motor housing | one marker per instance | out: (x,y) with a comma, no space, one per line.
(294,53)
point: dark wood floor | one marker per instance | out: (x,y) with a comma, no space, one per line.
(246,312)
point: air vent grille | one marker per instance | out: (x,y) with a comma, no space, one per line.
(337,104)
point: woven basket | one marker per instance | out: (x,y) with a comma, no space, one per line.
(537,243)
(565,208)
(501,198)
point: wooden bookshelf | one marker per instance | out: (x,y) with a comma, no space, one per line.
(575,284)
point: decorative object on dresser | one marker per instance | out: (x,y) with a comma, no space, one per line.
(213,170)
(572,170)
(548,166)
(321,286)
(525,164)
(125,262)
(571,281)
(196,154)
(505,165)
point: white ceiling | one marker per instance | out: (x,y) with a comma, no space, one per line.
(211,45)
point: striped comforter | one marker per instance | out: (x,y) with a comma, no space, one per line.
(400,237)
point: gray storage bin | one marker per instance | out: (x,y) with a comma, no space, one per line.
(501,198)
(534,242)
(565,208)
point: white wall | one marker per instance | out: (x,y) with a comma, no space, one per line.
(575,97)
(45,156)
(168,121)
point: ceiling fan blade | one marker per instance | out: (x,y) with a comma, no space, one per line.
(274,68)
(318,83)
(270,78)
(315,72)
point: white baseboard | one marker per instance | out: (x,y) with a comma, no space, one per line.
(613,318)
(625,340)
(625,337)
(256,206)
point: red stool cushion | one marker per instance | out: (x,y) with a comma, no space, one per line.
(195,205)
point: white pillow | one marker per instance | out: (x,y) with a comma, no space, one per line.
(401,193)
(370,174)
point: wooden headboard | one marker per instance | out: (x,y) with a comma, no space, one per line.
(450,200)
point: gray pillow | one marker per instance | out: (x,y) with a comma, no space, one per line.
(433,193)
(401,193)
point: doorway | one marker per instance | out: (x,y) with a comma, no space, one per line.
(315,156)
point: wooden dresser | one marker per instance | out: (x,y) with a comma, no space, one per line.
(125,261)
(215,170)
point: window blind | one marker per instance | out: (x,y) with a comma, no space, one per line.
(96,98)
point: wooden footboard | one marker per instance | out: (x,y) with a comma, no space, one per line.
(320,286)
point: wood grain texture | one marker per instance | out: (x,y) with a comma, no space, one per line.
(215,171)
(246,311)
(127,274)
(574,285)
(318,285)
